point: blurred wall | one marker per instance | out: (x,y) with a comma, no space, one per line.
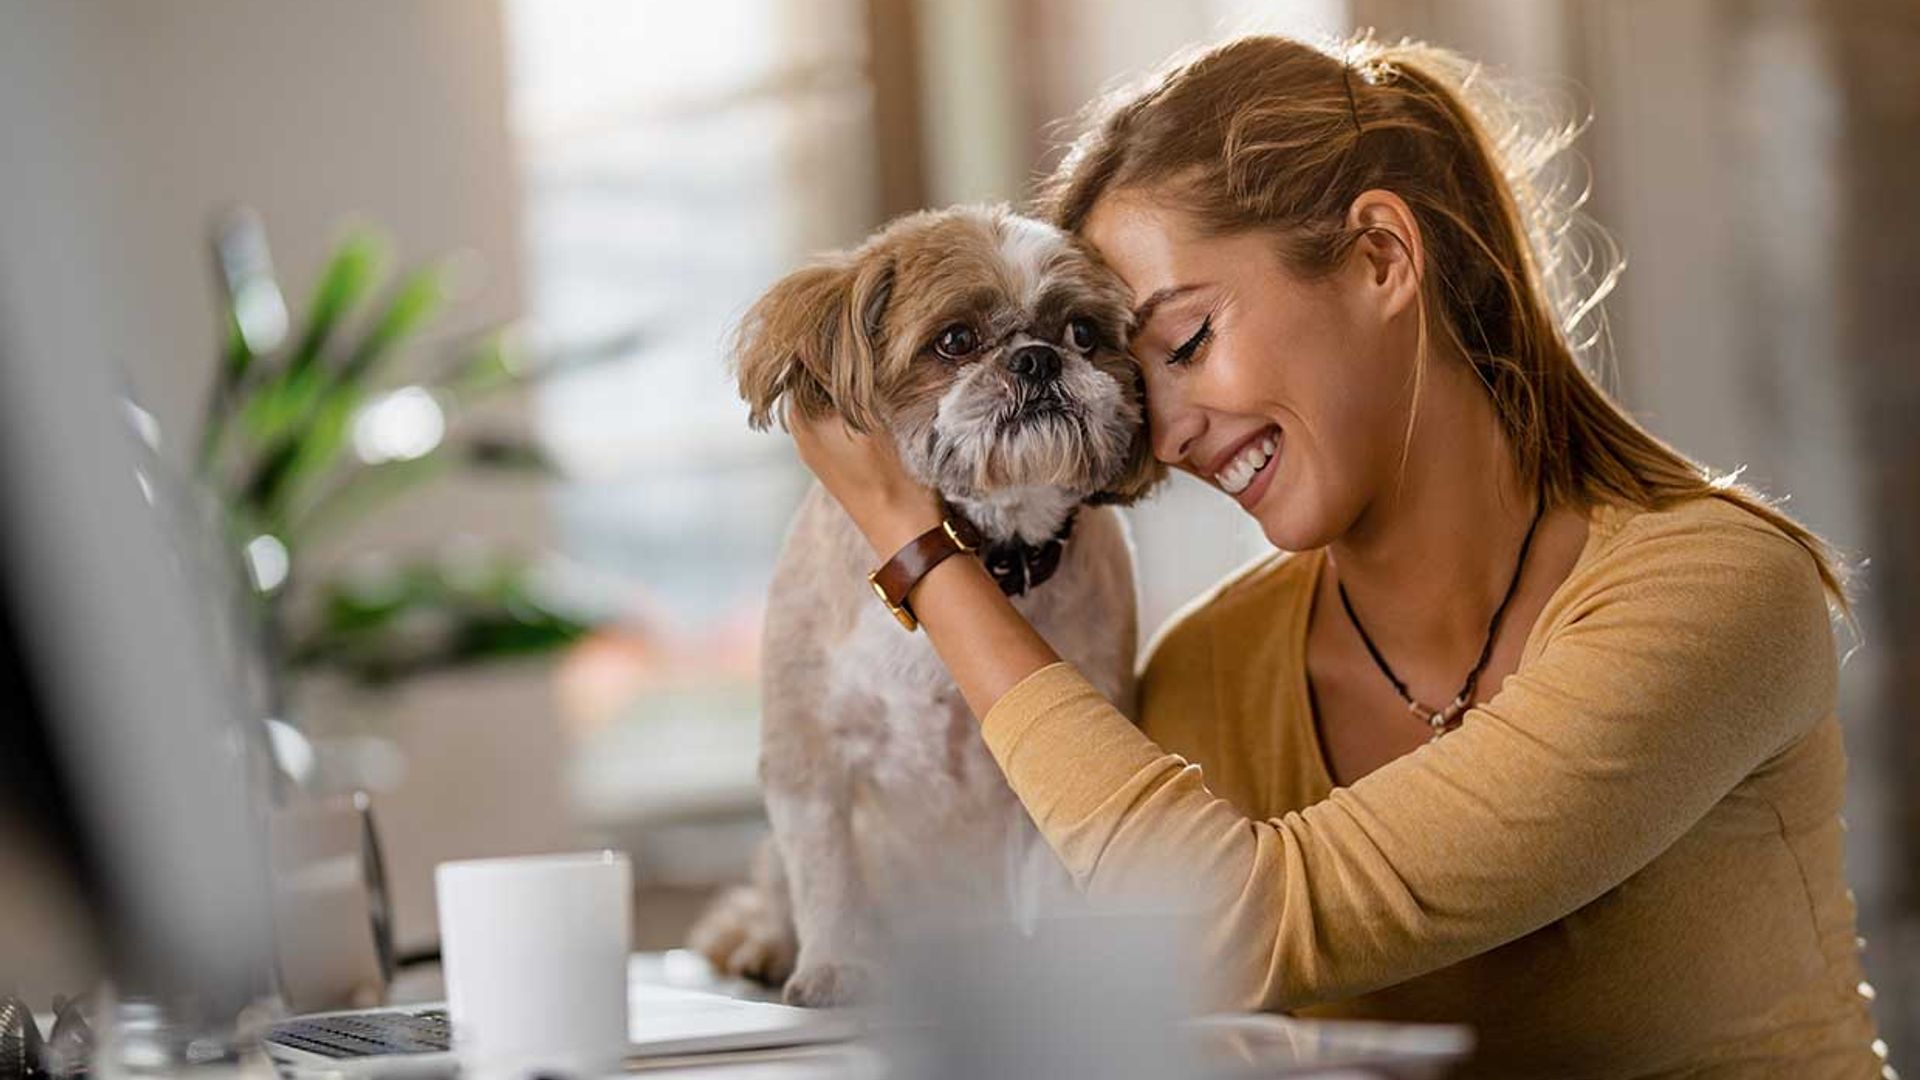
(130,124)
(127,126)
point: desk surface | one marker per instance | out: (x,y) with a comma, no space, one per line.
(1244,1046)
(420,983)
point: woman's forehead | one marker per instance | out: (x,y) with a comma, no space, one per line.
(1162,257)
(1142,239)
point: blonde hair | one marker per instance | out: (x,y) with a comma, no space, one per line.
(1267,133)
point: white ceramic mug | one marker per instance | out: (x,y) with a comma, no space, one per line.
(535,955)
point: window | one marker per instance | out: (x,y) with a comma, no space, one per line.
(676,158)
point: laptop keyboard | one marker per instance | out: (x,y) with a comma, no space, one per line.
(367,1034)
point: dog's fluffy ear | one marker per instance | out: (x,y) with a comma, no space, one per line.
(814,342)
(1142,472)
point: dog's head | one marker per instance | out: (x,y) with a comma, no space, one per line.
(990,346)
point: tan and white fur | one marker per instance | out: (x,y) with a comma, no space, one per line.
(884,801)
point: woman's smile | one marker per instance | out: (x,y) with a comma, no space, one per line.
(1246,469)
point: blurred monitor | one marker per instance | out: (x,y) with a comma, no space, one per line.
(127,752)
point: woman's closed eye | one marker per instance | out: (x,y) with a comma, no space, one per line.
(1186,350)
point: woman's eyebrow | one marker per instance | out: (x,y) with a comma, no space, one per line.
(1160,296)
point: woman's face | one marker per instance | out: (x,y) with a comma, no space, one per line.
(1288,395)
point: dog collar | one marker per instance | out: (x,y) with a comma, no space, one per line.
(1017,565)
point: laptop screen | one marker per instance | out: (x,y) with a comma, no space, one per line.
(135,749)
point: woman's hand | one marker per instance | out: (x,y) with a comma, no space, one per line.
(864,473)
(988,646)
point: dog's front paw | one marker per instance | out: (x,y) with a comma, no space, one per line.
(823,984)
(763,956)
(741,937)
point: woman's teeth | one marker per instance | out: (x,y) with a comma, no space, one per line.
(1240,471)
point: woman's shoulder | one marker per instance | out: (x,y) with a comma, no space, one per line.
(1702,611)
(1705,565)
(1242,610)
(1706,530)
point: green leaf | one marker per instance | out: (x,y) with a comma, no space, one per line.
(259,490)
(498,364)
(318,451)
(299,458)
(273,409)
(360,490)
(280,401)
(493,363)
(415,302)
(316,407)
(432,615)
(349,275)
(237,357)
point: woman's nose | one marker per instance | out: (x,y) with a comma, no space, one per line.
(1173,428)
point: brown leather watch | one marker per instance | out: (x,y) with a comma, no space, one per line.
(895,580)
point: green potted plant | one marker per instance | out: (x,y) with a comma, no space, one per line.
(308,431)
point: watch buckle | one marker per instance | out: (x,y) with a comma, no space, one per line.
(899,611)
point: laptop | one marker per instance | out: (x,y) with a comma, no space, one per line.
(662,1021)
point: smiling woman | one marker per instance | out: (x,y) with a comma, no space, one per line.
(1614,848)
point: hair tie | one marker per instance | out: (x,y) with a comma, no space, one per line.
(1353,104)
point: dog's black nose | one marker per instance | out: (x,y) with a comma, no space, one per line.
(1035,363)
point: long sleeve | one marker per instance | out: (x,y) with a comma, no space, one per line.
(1667,668)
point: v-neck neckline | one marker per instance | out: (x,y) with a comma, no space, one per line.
(1602,522)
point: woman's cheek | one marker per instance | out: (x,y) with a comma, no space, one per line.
(1313,483)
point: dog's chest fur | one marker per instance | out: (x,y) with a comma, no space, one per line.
(922,725)
(931,809)
(905,722)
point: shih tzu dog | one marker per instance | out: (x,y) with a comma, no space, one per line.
(992,349)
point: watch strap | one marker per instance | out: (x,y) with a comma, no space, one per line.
(894,581)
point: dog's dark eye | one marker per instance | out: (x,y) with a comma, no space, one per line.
(956,341)
(1082,335)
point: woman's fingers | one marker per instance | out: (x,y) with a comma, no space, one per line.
(863,471)
(836,453)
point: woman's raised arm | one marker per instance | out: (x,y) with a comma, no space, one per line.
(1680,660)
(1690,650)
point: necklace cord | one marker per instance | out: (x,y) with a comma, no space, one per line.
(1486,647)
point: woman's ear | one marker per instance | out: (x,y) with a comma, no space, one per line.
(813,341)
(1390,246)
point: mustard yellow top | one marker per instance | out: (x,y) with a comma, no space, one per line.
(1626,863)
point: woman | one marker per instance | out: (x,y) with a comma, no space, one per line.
(1535,729)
